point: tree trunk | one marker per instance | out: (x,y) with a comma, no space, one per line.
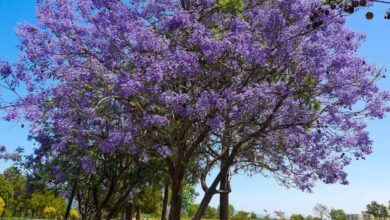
(224,186)
(176,197)
(207,198)
(98,215)
(84,216)
(70,200)
(176,173)
(223,172)
(138,216)
(224,198)
(165,201)
(129,212)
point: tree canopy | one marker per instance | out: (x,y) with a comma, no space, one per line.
(160,86)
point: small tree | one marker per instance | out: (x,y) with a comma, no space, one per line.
(377,210)
(337,214)
(189,196)
(210,213)
(280,214)
(321,210)
(253,215)
(241,215)
(297,217)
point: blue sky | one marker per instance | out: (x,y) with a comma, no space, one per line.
(370,179)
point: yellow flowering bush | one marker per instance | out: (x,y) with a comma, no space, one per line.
(74,214)
(50,212)
(2,206)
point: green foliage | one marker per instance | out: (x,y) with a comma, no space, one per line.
(337,214)
(297,217)
(312,218)
(2,206)
(16,201)
(189,196)
(210,213)
(191,209)
(377,210)
(253,215)
(18,182)
(241,215)
(6,189)
(231,6)
(40,201)
(149,199)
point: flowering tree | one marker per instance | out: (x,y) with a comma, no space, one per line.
(260,82)
(99,181)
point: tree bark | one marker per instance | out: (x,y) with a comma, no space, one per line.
(70,200)
(138,216)
(224,195)
(84,216)
(207,198)
(176,174)
(98,215)
(165,201)
(129,212)
(176,198)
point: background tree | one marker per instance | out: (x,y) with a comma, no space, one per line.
(241,215)
(148,200)
(6,193)
(18,181)
(253,215)
(189,196)
(321,210)
(377,210)
(337,214)
(297,217)
(191,209)
(280,214)
(47,200)
(310,217)
(210,213)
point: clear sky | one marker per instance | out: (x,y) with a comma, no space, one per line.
(369,179)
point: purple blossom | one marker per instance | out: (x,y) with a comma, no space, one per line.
(11,114)
(54,170)
(164,151)
(5,70)
(60,177)
(87,163)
